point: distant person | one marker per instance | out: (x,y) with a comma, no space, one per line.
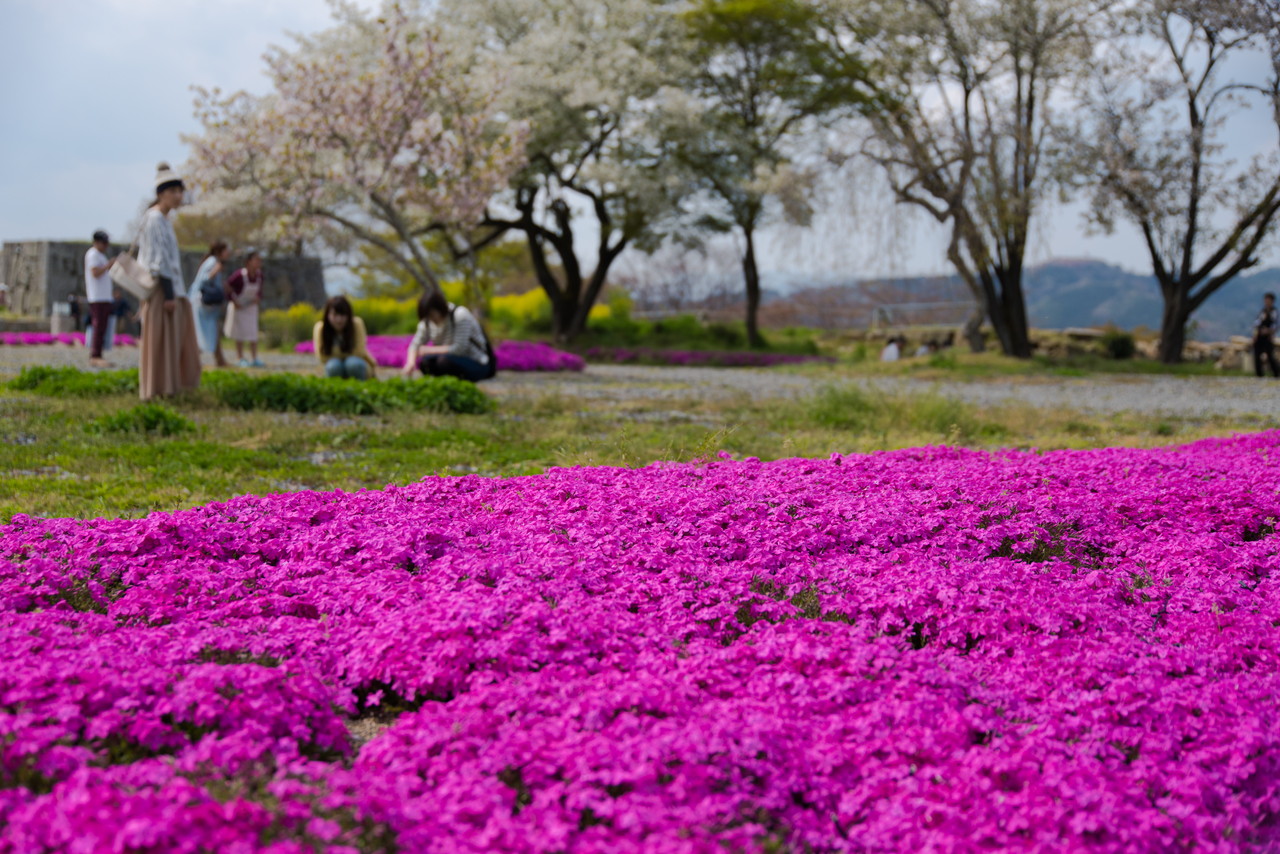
(892,351)
(97,284)
(121,320)
(926,348)
(457,348)
(76,311)
(209,286)
(341,342)
(244,295)
(1264,335)
(170,357)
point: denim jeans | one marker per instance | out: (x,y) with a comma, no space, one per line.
(449,365)
(350,368)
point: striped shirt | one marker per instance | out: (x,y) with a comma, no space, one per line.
(460,332)
(158,250)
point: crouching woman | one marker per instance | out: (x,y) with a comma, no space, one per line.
(457,345)
(341,343)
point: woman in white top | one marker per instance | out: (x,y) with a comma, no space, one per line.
(170,358)
(457,345)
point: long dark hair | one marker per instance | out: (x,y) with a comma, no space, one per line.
(329,336)
(434,302)
(215,248)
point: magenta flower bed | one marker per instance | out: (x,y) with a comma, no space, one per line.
(389,351)
(34,339)
(698,358)
(927,650)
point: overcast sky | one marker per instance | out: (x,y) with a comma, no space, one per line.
(93,93)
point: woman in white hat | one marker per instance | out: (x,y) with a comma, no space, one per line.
(170,357)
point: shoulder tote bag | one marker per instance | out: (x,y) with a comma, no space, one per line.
(132,276)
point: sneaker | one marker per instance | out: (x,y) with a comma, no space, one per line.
(244,363)
(257,363)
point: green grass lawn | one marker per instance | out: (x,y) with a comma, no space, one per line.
(57,458)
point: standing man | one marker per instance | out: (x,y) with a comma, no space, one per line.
(1264,334)
(97,279)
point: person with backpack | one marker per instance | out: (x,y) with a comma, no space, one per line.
(208,287)
(449,342)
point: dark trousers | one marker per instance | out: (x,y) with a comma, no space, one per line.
(1264,347)
(100,313)
(449,365)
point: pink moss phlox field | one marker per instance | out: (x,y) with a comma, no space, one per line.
(75,339)
(924,650)
(389,351)
(700,358)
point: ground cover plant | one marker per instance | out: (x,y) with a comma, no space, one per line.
(930,649)
(280,392)
(73,382)
(296,393)
(519,356)
(35,339)
(699,358)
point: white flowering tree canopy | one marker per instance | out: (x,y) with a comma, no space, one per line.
(371,132)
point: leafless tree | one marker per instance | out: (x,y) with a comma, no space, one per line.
(971,139)
(1165,97)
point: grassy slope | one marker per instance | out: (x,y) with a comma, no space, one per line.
(52,465)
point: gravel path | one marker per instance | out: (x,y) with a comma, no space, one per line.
(1191,397)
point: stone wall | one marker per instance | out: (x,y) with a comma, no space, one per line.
(40,273)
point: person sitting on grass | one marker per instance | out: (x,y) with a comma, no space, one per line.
(341,343)
(458,345)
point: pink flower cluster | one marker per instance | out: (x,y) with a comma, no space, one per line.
(34,339)
(699,358)
(390,350)
(925,650)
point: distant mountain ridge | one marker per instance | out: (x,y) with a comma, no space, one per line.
(1068,292)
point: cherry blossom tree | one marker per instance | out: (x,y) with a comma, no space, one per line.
(583,74)
(371,135)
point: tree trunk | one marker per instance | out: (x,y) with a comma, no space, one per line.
(1173,324)
(973,331)
(1013,308)
(751,275)
(1007,311)
(563,313)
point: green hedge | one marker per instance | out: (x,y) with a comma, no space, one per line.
(275,392)
(73,382)
(292,392)
(149,417)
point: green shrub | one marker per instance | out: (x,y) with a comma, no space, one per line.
(387,316)
(681,327)
(522,314)
(727,335)
(286,327)
(149,417)
(1119,344)
(291,392)
(73,382)
(943,359)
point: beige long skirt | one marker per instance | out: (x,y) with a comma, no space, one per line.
(170,357)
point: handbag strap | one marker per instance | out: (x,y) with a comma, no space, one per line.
(138,236)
